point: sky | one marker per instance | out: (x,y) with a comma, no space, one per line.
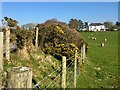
(39,12)
(60,0)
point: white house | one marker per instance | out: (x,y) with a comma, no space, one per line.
(97,27)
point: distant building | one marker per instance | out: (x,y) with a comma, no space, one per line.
(97,27)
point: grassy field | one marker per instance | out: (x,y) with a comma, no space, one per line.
(104,58)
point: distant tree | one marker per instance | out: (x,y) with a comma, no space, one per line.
(51,21)
(75,24)
(80,24)
(13,25)
(86,23)
(108,24)
(117,24)
(113,28)
(9,22)
(0,29)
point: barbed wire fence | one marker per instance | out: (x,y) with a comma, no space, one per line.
(54,83)
(51,73)
(70,81)
(69,70)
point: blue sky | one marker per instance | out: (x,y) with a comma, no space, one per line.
(38,12)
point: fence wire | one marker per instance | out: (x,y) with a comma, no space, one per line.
(51,73)
(58,75)
(69,77)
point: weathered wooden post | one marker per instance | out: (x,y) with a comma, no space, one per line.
(82,57)
(7,47)
(63,78)
(1,58)
(81,54)
(19,77)
(75,68)
(1,51)
(84,51)
(36,39)
(0,79)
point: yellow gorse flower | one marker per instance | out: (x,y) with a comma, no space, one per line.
(59,30)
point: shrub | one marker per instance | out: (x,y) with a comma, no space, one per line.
(24,38)
(58,39)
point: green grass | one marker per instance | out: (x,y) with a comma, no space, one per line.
(104,57)
(41,65)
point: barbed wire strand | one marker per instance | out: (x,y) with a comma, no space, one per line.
(51,73)
(59,74)
(62,81)
(70,81)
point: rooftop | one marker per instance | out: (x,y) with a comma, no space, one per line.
(95,24)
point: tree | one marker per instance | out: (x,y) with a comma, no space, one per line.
(75,24)
(114,28)
(12,25)
(0,29)
(108,24)
(117,24)
(9,22)
(22,38)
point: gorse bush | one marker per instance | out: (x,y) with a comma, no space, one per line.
(22,38)
(25,38)
(58,39)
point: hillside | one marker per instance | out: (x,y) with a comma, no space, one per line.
(41,64)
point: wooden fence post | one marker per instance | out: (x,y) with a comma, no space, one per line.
(75,68)
(1,58)
(36,39)
(81,54)
(7,50)
(19,77)
(84,51)
(0,79)
(63,78)
(1,51)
